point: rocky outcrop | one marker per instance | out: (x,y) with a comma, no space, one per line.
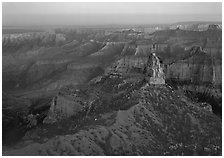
(147,66)
(154,70)
(64,106)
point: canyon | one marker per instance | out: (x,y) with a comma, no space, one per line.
(90,92)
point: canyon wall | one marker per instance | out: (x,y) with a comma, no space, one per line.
(199,68)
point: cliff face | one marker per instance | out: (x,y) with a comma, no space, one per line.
(63,107)
(200,76)
(154,70)
(126,64)
(146,49)
(143,63)
(11,42)
(198,69)
(193,62)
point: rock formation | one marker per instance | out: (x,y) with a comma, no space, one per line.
(154,71)
(64,106)
(86,93)
(138,119)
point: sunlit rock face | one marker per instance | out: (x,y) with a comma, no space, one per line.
(154,71)
(144,62)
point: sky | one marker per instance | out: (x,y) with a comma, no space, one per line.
(99,13)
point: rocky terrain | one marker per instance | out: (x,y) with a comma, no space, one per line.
(86,92)
(124,116)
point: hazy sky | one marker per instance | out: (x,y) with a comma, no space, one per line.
(98,13)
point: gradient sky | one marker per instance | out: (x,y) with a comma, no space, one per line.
(98,13)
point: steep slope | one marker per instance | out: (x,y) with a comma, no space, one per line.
(154,120)
(52,67)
